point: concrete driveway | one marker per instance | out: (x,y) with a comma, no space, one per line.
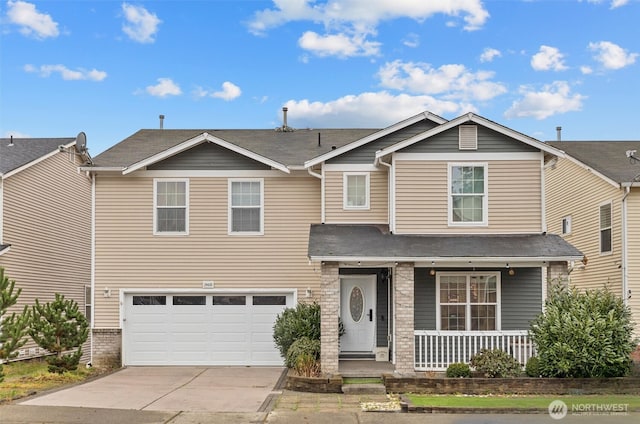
(195,389)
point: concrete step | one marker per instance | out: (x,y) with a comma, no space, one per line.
(364,389)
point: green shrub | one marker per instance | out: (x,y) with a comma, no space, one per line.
(532,369)
(295,323)
(302,346)
(307,366)
(583,334)
(495,363)
(458,369)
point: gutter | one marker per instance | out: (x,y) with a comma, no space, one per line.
(322,199)
(625,248)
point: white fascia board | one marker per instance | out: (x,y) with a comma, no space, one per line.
(204,137)
(471,117)
(38,160)
(593,171)
(391,129)
(101,168)
(438,261)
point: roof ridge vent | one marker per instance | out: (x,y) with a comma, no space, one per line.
(285,127)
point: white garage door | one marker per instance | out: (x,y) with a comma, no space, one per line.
(202,329)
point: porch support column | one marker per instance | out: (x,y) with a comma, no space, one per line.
(557,272)
(404,319)
(329,304)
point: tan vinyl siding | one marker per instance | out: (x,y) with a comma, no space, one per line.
(47,221)
(378,211)
(514,203)
(572,190)
(128,255)
(633,255)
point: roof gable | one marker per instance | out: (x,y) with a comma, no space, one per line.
(607,159)
(465,119)
(19,153)
(197,140)
(375,136)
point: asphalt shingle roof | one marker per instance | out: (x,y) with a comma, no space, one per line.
(373,241)
(607,157)
(26,150)
(288,148)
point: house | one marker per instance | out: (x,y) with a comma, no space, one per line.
(45,222)
(593,202)
(427,238)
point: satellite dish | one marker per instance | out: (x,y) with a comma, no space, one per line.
(81,142)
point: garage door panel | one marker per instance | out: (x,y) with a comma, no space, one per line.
(201,329)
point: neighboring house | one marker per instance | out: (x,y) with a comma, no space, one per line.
(593,201)
(427,238)
(45,222)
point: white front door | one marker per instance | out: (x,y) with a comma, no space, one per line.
(358,313)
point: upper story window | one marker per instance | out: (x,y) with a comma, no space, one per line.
(605,228)
(468,302)
(356,190)
(566,225)
(171,205)
(246,197)
(468,194)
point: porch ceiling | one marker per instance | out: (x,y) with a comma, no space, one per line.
(343,243)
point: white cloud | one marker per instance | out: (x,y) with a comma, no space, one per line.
(367,110)
(612,56)
(489,54)
(229,92)
(141,25)
(165,87)
(32,22)
(548,58)
(586,70)
(411,40)
(67,74)
(453,82)
(553,99)
(614,3)
(348,23)
(340,45)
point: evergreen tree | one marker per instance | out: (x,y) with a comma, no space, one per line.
(60,327)
(13,328)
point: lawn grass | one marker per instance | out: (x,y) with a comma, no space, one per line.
(24,378)
(519,402)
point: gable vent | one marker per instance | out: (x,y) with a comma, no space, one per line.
(468,137)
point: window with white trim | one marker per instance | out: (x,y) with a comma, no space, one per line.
(605,228)
(468,301)
(566,225)
(468,194)
(356,190)
(171,206)
(87,303)
(246,206)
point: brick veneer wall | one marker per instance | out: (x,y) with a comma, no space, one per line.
(329,312)
(107,347)
(404,318)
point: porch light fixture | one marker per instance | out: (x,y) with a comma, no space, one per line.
(512,272)
(308,293)
(107,292)
(432,272)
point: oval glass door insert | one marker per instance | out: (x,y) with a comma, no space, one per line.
(356,304)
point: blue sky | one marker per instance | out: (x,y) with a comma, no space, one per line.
(109,68)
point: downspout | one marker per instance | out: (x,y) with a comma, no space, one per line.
(625,284)
(93,261)
(321,177)
(391,195)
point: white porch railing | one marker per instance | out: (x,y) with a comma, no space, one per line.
(436,350)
